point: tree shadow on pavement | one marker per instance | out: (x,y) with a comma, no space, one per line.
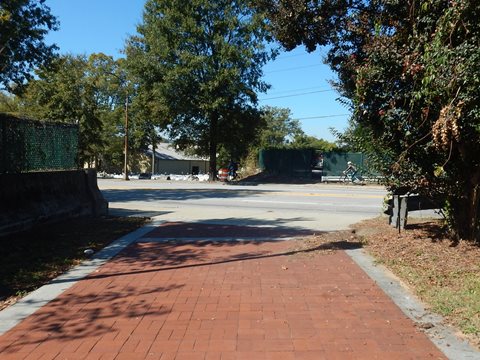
(119,212)
(136,292)
(265,178)
(228,228)
(81,316)
(149,195)
(173,255)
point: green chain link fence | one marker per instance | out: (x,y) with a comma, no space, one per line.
(334,163)
(290,162)
(300,162)
(27,145)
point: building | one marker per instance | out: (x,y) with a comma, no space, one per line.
(168,160)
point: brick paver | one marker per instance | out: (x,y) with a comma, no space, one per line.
(220,300)
(205,230)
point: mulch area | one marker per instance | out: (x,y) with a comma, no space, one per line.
(424,245)
(34,257)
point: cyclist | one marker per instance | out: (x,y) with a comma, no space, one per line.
(232,170)
(350,171)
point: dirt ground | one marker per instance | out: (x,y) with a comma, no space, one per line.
(32,258)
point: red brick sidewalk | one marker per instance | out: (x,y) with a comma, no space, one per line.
(201,230)
(220,300)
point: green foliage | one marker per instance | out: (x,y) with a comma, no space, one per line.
(90,92)
(8,104)
(23,26)
(199,65)
(27,145)
(304,141)
(410,70)
(62,93)
(279,129)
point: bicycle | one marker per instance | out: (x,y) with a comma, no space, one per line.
(351,176)
(232,175)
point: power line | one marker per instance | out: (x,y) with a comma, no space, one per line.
(293,68)
(283,57)
(319,52)
(322,116)
(295,90)
(293,95)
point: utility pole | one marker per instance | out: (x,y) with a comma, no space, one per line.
(125,150)
(125,167)
(153,157)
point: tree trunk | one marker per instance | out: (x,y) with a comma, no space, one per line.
(212,171)
(465,210)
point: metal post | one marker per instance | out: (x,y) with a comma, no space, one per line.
(403,213)
(394,221)
(399,209)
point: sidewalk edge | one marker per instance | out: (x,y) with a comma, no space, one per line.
(441,335)
(14,314)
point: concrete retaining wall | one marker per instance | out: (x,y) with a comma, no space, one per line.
(29,198)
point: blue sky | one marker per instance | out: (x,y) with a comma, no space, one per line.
(91,26)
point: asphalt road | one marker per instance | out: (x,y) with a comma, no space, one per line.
(315,207)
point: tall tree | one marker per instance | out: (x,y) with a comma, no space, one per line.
(23,26)
(304,141)
(9,104)
(409,70)
(279,129)
(113,92)
(199,62)
(90,92)
(62,93)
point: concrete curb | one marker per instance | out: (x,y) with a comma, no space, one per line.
(441,335)
(15,313)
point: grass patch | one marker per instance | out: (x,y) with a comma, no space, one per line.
(444,274)
(450,295)
(460,303)
(453,295)
(32,258)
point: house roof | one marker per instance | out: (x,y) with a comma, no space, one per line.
(166,151)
